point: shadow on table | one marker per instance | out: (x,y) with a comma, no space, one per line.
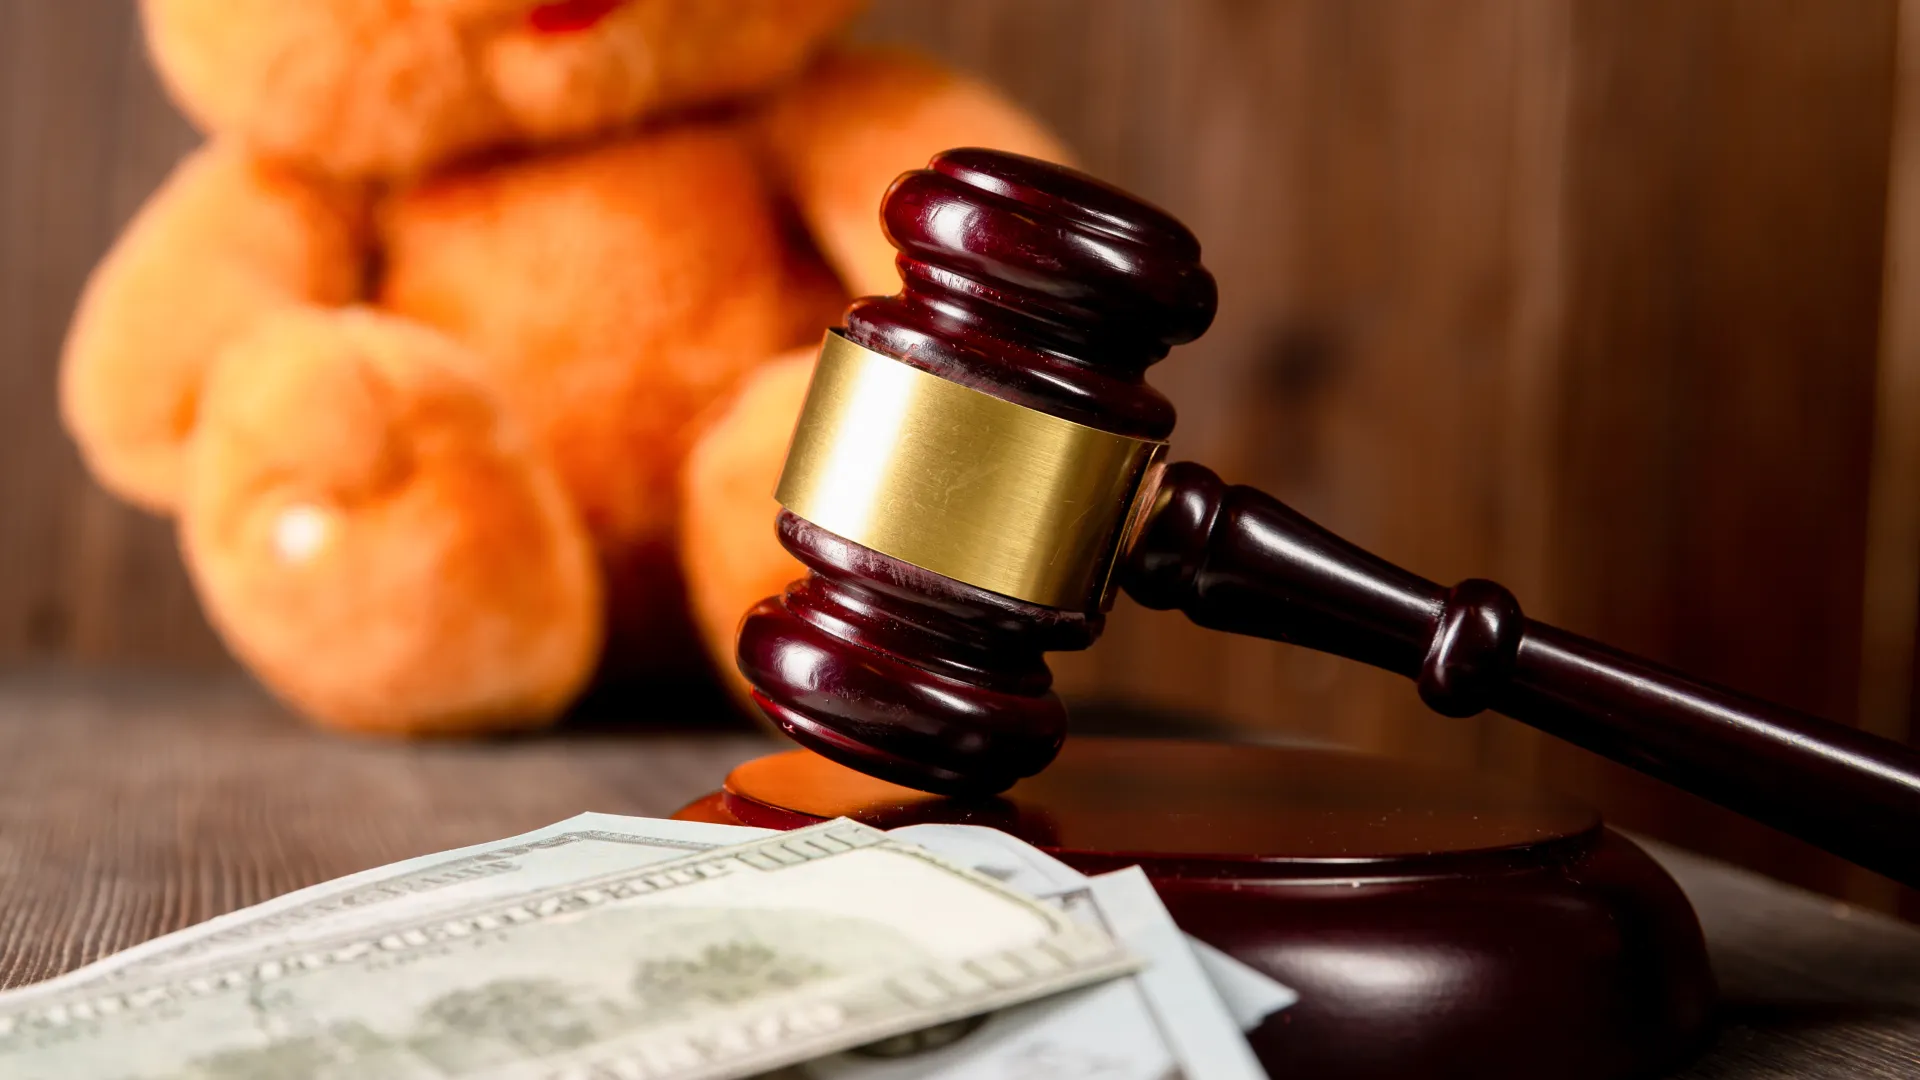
(700,705)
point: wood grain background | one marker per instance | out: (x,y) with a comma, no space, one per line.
(1615,301)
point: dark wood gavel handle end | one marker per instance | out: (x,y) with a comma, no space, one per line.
(1234,559)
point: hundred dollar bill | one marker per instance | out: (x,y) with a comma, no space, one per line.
(719,964)
(1249,995)
(573,850)
(1181,1015)
(1162,1023)
(1034,1035)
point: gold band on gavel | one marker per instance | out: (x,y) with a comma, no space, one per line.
(959,482)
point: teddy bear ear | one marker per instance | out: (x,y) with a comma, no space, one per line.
(863,116)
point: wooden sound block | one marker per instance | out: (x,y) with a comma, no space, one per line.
(1434,923)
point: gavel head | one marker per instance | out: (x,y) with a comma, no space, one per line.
(971,456)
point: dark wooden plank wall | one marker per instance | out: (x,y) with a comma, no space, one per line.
(1583,295)
(1720,351)
(85,134)
(1580,295)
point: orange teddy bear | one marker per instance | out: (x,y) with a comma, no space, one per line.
(416,348)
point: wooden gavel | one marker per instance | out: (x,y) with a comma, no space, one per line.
(978,467)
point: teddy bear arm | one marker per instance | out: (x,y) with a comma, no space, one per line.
(861,117)
(226,240)
(836,138)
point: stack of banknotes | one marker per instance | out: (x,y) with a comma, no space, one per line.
(620,948)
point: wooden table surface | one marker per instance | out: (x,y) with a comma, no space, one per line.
(132,806)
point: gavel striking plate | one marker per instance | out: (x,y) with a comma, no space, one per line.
(980,466)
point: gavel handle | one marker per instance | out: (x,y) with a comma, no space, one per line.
(1234,559)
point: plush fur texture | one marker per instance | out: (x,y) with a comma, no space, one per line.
(612,294)
(383,88)
(418,349)
(228,238)
(727,545)
(858,120)
(363,504)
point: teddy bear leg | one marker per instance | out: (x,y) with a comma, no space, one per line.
(372,535)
